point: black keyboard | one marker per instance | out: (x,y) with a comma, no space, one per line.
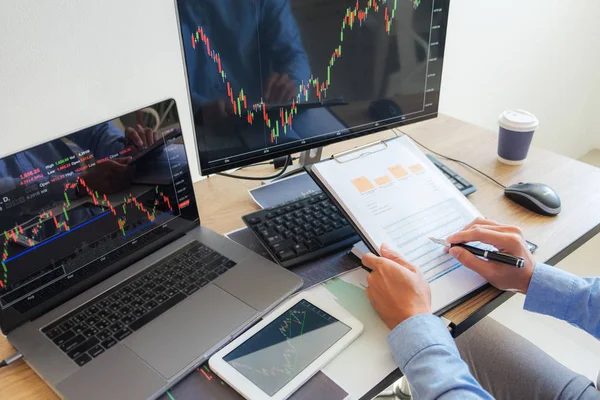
(89,330)
(461,183)
(302,230)
(311,227)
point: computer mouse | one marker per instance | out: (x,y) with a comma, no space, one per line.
(536,197)
(383,109)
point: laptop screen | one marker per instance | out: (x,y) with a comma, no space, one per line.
(79,208)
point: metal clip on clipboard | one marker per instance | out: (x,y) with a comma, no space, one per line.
(339,156)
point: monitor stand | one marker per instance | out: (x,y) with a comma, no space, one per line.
(307,157)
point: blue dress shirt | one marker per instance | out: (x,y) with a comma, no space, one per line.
(428,357)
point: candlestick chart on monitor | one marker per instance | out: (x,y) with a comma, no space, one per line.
(315,88)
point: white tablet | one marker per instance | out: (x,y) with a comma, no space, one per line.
(284,350)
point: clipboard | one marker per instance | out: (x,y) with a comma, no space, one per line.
(363,151)
(405,223)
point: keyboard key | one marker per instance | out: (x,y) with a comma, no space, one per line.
(170,292)
(84,359)
(211,276)
(313,245)
(148,306)
(125,310)
(127,299)
(53,333)
(103,313)
(79,318)
(65,326)
(96,351)
(68,335)
(138,312)
(71,344)
(89,332)
(229,264)
(101,325)
(108,343)
(300,249)
(103,335)
(336,236)
(122,334)
(136,303)
(283,245)
(189,290)
(127,320)
(83,348)
(79,328)
(203,282)
(113,317)
(161,298)
(116,327)
(157,311)
(285,254)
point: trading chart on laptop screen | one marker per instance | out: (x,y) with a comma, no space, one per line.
(72,207)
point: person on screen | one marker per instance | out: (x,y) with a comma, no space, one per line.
(495,360)
(260,51)
(19,179)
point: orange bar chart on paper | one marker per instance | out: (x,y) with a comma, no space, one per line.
(363,184)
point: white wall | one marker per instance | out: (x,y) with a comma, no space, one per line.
(65,64)
(540,55)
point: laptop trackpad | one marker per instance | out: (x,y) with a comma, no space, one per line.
(187,331)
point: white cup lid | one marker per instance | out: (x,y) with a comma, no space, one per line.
(518,121)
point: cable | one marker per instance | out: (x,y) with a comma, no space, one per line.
(9,360)
(454,159)
(262,163)
(263,178)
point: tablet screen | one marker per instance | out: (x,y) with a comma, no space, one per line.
(282,349)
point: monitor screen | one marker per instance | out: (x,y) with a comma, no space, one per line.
(79,208)
(273,77)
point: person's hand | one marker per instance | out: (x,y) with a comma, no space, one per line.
(110,176)
(397,289)
(140,136)
(213,112)
(280,88)
(508,239)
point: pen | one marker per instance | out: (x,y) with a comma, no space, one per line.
(508,259)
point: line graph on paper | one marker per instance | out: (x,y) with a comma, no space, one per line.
(410,236)
(314,88)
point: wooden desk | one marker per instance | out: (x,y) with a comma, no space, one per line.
(222,201)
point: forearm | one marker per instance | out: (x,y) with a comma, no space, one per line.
(565,296)
(428,357)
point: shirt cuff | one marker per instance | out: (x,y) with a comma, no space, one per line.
(549,291)
(417,333)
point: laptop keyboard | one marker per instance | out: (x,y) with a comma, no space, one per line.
(88,331)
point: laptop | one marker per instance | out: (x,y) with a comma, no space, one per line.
(109,285)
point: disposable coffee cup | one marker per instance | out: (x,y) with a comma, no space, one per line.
(516,132)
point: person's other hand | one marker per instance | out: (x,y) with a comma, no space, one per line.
(110,176)
(397,289)
(140,136)
(280,88)
(508,239)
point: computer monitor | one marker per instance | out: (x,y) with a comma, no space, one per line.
(269,78)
